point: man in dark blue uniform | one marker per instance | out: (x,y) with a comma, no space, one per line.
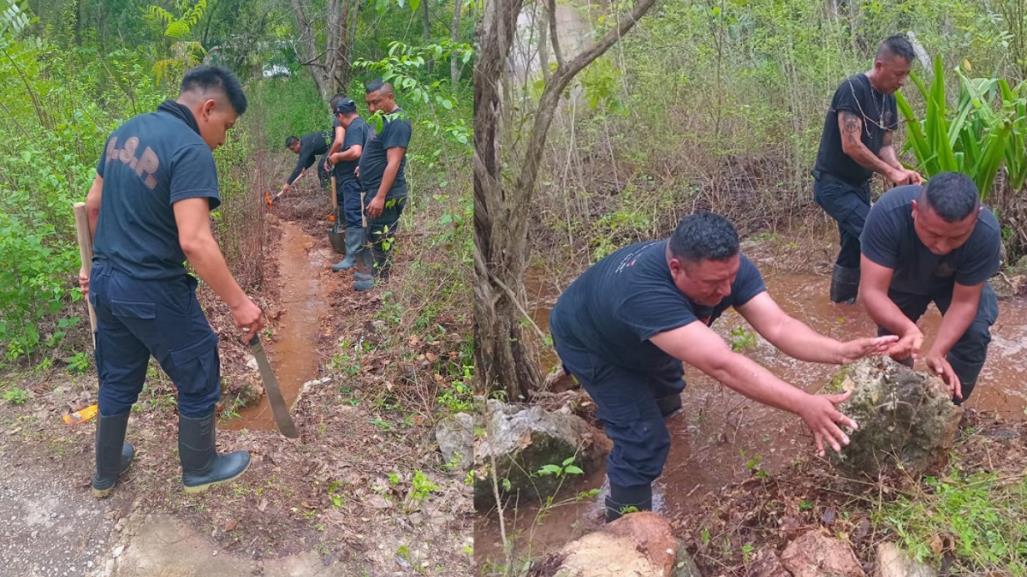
(856,143)
(148,208)
(308,147)
(625,326)
(357,133)
(934,243)
(383,174)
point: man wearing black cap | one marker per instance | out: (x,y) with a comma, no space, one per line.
(357,132)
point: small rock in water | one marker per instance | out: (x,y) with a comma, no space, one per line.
(906,418)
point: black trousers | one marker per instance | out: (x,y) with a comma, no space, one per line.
(849,205)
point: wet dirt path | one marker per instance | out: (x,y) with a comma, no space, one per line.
(294,351)
(721,437)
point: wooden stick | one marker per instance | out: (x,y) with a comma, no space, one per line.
(85,253)
(335,199)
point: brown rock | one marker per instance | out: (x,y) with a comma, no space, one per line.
(636,545)
(817,555)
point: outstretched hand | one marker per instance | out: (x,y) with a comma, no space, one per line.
(907,346)
(825,420)
(868,346)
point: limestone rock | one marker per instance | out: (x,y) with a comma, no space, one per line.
(766,563)
(455,435)
(524,440)
(814,554)
(906,418)
(636,545)
(894,562)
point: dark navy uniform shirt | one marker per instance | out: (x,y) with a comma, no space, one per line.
(879,115)
(889,240)
(358,133)
(396,132)
(311,145)
(617,305)
(148,164)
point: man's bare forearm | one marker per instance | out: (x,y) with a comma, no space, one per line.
(954,323)
(798,340)
(748,378)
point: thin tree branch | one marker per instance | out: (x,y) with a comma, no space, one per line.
(554,38)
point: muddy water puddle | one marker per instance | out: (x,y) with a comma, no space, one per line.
(293,352)
(721,437)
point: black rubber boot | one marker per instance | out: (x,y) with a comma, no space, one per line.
(113,454)
(624,500)
(844,284)
(354,243)
(202,467)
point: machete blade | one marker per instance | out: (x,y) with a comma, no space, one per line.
(274,395)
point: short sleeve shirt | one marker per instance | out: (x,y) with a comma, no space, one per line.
(890,240)
(357,134)
(617,305)
(396,133)
(148,164)
(879,115)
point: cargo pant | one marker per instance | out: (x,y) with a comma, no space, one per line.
(632,408)
(137,319)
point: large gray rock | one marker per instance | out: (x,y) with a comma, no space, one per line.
(636,545)
(522,441)
(906,418)
(894,562)
(455,436)
(814,554)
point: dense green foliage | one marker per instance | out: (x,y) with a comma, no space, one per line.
(72,71)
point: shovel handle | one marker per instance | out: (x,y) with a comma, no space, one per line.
(85,252)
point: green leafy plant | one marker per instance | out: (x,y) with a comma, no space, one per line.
(16,396)
(79,363)
(742,339)
(984,131)
(567,467)
(421,486)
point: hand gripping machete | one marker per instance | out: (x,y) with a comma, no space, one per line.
(274,395)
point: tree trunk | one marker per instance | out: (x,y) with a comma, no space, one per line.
(454,35)
(329,67)
(505,356)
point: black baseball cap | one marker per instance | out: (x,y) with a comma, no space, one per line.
(345,106)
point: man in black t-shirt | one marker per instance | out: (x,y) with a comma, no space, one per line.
(149,209)
(856,143)
(345,160)
(307,147)
(934,243)
(624,327)
(382,172)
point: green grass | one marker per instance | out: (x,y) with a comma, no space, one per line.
(985,517)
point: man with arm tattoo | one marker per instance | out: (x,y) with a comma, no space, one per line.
(856,143)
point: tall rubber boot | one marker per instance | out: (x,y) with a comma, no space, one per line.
(113,454)
(844,284)
(363,276)
(624,500)
(354,242)
(202,466)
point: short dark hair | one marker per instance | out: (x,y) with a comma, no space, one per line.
(704,236)
(897,45)
(953,196)
(208,77)
(289,141)
(335,100)
(374,86)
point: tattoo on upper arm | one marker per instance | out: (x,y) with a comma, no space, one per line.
(851,125)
